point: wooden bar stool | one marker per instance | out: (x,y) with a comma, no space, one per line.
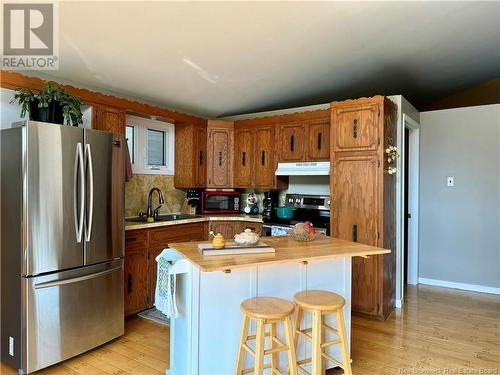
(266,311)
(320,303)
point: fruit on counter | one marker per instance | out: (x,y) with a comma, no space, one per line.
(301,228)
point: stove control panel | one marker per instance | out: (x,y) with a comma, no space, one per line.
(316,202)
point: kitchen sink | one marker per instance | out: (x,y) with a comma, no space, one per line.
(169,217)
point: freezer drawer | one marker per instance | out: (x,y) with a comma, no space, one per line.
(70,312)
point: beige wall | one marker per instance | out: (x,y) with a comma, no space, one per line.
(460,225)
(137,189)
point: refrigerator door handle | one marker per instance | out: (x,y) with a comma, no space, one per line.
(90,171)
(79,172)
(75,279)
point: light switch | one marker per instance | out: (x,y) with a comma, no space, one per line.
(450,181)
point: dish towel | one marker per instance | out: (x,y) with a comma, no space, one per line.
(165,287)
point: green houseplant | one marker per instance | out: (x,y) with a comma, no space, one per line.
(53,103)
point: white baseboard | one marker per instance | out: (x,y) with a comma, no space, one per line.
(399,304)
(463,286)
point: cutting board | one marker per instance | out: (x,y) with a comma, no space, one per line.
(232,248)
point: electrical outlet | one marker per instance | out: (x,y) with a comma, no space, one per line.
(450,181)
(11,346)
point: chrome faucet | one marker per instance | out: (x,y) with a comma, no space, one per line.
(150,212)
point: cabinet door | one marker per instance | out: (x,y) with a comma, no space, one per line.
(109,119)
(356,128)
(226,228)
(200,158)
(219,166)
(136,281)
(264,158)
(355,219)
(243,157)
(240,226)
(319,140)
(291,137)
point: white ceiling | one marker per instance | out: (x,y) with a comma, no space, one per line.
(223,58)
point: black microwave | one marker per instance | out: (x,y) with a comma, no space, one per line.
(220,202)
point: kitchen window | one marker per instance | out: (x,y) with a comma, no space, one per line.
(151,145)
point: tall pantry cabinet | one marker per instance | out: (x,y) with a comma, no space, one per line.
(363,196)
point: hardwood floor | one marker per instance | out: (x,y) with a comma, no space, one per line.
(437,329)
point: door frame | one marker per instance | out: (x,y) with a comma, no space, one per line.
(413,200)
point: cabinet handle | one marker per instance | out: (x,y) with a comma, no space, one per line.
(319,141)
(220,158)
(355,128)
(292,141)
(263,157)
(355,233)
(201,157)
(129,283)
(243,158)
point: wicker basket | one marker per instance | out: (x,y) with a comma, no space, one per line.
(303,237)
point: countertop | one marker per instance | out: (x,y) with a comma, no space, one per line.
(287,250)
(131,225)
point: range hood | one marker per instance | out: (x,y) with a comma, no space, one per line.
(319,168)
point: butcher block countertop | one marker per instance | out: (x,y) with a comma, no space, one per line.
(132,225)
(287,250)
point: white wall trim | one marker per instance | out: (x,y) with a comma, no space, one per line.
(413,198)
(462,286)
(399,304)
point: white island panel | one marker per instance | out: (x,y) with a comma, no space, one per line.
(204,338)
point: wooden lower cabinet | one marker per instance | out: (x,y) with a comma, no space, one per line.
(228,228)
(355,179)
(136,280)
(142,246)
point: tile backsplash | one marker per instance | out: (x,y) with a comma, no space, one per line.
(137,189)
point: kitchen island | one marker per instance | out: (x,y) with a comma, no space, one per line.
(204,337)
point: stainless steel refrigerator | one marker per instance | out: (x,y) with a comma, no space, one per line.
(62,242)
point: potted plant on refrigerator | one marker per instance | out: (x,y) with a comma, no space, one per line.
(52,103)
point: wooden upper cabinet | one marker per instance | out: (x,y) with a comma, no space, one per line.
(291,142)
(200,157)
(109,119)
(243,158)
(220,144)
(190,156)
(265,165)
(319,140)
(356,128)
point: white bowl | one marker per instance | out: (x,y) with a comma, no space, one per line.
(247,238)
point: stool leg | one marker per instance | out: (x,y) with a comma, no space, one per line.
(292,359)
(259,348)
(274,357)
(316,343)
(343,344)
(298,321)
(243,338)
(323,339)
